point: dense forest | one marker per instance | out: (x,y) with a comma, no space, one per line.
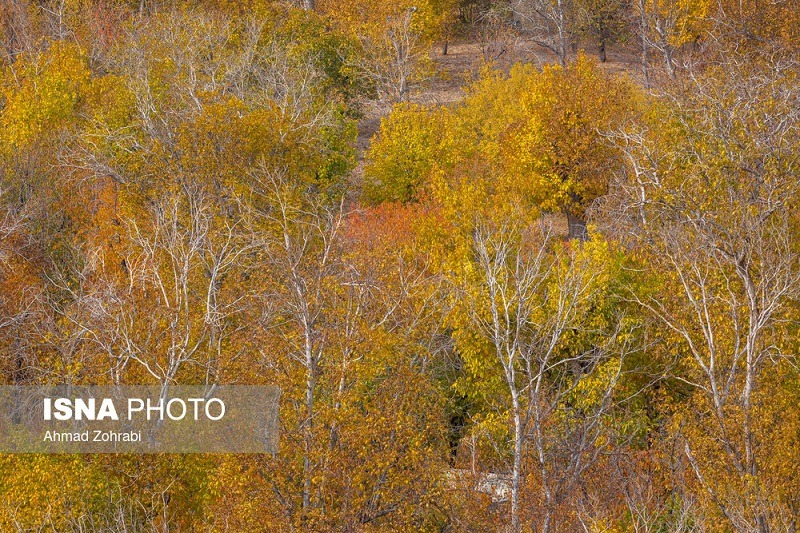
(563,297)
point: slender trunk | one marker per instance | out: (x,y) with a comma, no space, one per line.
(603,51)
(750,369)
(334,436)
(751,465)
(749,455)
(310,5)
(515,475)
(668,53)
(563,37)
(643,31)
(308,433)
(11,39)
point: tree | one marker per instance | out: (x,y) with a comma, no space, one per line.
(605,21)
(529,303)
(559,145)
(667,26)
(394,60)
(757,23)
(394,40)
(540,132)
(553,23)
(345,321)
(706,200)
(411,141)
(530,314)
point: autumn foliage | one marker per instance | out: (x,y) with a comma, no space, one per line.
(567,301)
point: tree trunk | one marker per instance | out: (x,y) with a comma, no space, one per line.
(668,53)
(310,5)
(577,226)
(603,52)
(515,475)
(308,430)
(643,31)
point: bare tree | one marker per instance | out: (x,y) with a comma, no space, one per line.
(322,307)
(532,292)
(303,251)
(496,32)
(551,23)
(211,60)
(171,315)
(394,60)
(17,29)
(664,28)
